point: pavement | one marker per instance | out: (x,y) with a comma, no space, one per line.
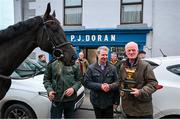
(88,111)
(87,104)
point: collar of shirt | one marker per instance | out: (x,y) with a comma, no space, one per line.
(102,66)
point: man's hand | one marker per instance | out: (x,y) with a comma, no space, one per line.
(115,106)
(51,95)
(69,92)
(135,92)
(105,87)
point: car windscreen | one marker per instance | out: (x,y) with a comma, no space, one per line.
(28,68)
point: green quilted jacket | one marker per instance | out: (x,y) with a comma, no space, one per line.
(58,78)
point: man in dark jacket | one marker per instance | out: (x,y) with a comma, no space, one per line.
(101,79)
(62,83)
(138,83)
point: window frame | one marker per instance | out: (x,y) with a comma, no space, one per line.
(131,3)
(69,7)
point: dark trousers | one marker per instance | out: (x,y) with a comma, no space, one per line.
(57,109)
(104,113)
(139,117)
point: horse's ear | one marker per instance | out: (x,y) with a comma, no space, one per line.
(54,14)
(48,10)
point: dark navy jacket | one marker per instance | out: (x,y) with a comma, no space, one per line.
(93,79)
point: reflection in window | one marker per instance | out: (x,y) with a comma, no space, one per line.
(119,51)
(73,12)
(131,11)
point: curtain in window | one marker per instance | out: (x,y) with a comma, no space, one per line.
(73,16)
(131,13)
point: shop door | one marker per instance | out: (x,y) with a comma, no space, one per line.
(90,54)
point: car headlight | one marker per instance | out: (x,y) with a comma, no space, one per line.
(44,94)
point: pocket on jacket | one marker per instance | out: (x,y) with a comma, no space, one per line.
(96,76)
(109,77)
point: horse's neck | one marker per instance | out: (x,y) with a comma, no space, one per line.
(13,53)
(14,50)
(20,28)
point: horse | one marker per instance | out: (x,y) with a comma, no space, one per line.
(19,40)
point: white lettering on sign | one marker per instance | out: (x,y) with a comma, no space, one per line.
(79,39)
(99,38)
(93,38)
(72,37)
(113,38)
(106,38)
(87,38)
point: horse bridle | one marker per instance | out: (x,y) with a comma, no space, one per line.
(57,49)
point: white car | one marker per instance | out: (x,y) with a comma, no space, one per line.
(166,101)
(28,98)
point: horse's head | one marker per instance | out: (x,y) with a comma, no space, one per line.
(53,39)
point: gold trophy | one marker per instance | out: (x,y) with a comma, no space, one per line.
(129,82)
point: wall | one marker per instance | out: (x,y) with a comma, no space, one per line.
(160,15)
(6,13)
(166,27)
(101,13)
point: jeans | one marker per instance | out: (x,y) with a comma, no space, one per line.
(57,110)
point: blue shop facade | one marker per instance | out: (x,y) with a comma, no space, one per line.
(87,40)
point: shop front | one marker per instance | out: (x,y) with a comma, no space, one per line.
(87,40)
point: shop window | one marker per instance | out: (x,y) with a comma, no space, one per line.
(131,11)
(72,12)
(119,51)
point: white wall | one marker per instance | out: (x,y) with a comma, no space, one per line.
(147,12)
(17,11)
(162,15)
(6,13)
(41,5)
(166,27)
(101,13)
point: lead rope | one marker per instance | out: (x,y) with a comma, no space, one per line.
(15,78)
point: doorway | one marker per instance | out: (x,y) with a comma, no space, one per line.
(89,54)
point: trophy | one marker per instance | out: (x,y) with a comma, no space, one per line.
(129,81)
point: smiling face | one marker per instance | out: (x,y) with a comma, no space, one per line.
(102,54)
(131,50)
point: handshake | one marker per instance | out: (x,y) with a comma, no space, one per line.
(105,87)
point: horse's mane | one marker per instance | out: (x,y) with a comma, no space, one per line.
(19,28)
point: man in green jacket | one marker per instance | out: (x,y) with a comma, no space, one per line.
(138,83)
(62,83)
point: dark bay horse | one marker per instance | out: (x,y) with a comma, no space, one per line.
(19,40)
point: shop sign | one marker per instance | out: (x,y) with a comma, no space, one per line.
(93,38)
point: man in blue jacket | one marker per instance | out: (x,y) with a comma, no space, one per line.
(101,79)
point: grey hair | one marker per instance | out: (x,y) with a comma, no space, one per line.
(81,52)
(114,53)
(131,43)
(102,48)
